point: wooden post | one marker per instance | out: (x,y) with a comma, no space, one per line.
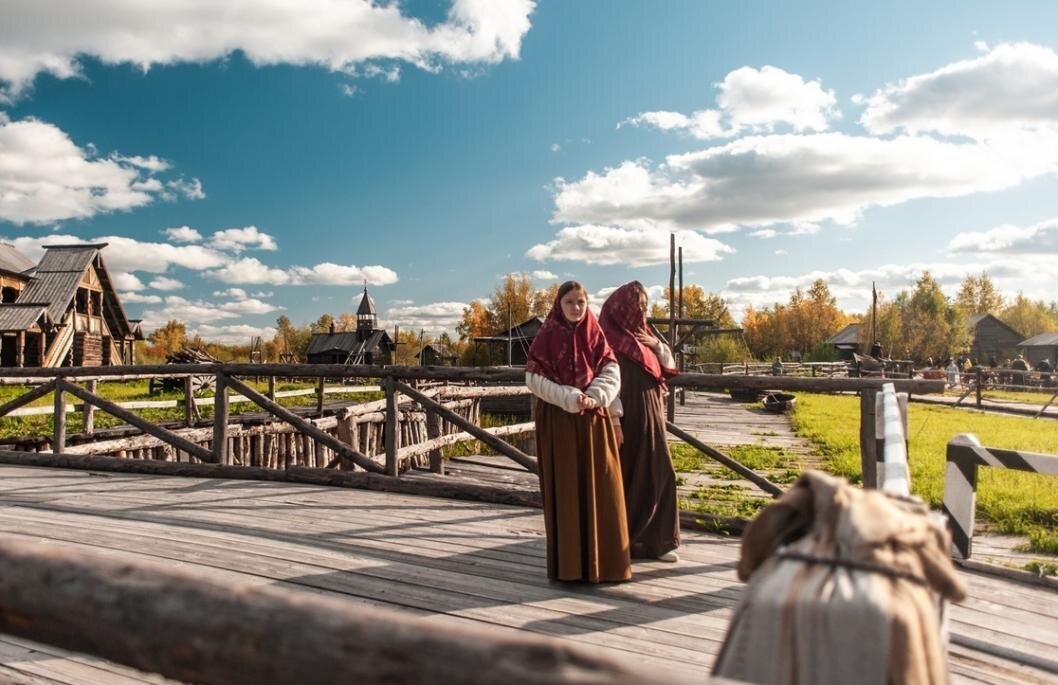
(220,420)
(20,351)
(189,402)
(89,411)
(433,430)
(272,388)
(58,443)
(868,438)
(319,397)
(979,376)
(391,425)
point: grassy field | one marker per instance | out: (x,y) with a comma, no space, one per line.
(1007,501)
(131,391)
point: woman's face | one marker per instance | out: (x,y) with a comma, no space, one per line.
(643,302)
(574,305)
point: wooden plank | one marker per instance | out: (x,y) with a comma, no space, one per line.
(118,616)
(220,420)
(89,411)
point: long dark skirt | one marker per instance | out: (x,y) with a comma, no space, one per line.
(646,466)
(584,509)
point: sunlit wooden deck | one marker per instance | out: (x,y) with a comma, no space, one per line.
(446,561)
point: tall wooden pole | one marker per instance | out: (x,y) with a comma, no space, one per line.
(683,391)
(220,420)
(672,317)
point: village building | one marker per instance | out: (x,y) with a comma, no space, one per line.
(436,355)
(515,341)
(991,338)
(846,342)
(1040,347)
(368,344)
(63,311)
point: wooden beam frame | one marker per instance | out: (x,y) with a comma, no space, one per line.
(481,434)
(736,466)
(339,447)
(144,425)
(34,394)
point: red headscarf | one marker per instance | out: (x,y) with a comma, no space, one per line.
(569,354)
(620,319)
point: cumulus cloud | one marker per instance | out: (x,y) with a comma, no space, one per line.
(239,239)
(125,281)
(542,275)
(183,234)
(137,298)
(46,177)
(1010,88)
(805,179)
(635,247)
(125,255)
(434,317)
(188,311)
(1040,239)
(340,36)
(752,100)
(192,190)
(235,293)
(249,270)
(250,305)
(165,283)
(233,334)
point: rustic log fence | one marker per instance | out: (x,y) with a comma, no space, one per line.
(424,410)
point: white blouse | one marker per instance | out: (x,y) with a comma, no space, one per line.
(605,389)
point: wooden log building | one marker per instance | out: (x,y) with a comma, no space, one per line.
(63,311)
(517,339)
(368,344)
(992,338)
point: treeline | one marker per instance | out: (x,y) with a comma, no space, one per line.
(917,323)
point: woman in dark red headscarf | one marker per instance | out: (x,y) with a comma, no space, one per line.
(646,465)
(575,377)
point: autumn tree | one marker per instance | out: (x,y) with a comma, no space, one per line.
(1030,317)
(408,345)
(291,339)
(978,295)
(170,338)
(801,325)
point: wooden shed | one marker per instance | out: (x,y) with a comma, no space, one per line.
(1038,347)
(992,338)
(517,340)
(431,355)
(846,341)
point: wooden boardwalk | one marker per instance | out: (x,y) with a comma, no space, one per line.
(445,561)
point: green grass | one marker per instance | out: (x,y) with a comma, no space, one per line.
(724,501)
(1008,501)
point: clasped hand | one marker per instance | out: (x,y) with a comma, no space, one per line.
(586,403)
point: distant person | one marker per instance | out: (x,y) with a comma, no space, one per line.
(876,350)
(952,371)
(1044,365)
(929,363)
(776,367)
(992,362)
(575,376)
(1019,364)
(646,464)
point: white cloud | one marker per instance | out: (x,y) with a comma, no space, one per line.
(634,247)
(433,317)
(126,281)
(45,177)
(348,89)
(328,273)
(1011,89)
(555,147)
(233,334)
(124,255)
(542,275)
(235,293)
(188,311)
(239,239)
(1040,239)
(165,283)
(183,234)
(341,36)
(134,297)
(249,306)
(752,100)
(803,179)
(192,189)
(249,270)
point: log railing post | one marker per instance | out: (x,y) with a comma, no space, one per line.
(189,402)
(868,438)
(58,442)
(319,397)
(979,376)
(89,411)
(391,425)
(272,388)
(220,420)
(433,430)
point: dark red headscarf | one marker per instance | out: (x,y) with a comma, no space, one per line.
(569,354)
(620,319)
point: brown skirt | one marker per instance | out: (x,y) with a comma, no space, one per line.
(646,466)
(584,508)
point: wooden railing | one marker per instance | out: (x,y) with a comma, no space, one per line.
(965,456)
(409,425)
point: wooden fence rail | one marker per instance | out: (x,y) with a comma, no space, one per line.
(412,421)
(192,628)
(965,456)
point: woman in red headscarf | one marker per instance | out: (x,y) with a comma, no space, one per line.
(646,465)
(575,377)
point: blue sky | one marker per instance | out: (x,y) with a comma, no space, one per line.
(246,164)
